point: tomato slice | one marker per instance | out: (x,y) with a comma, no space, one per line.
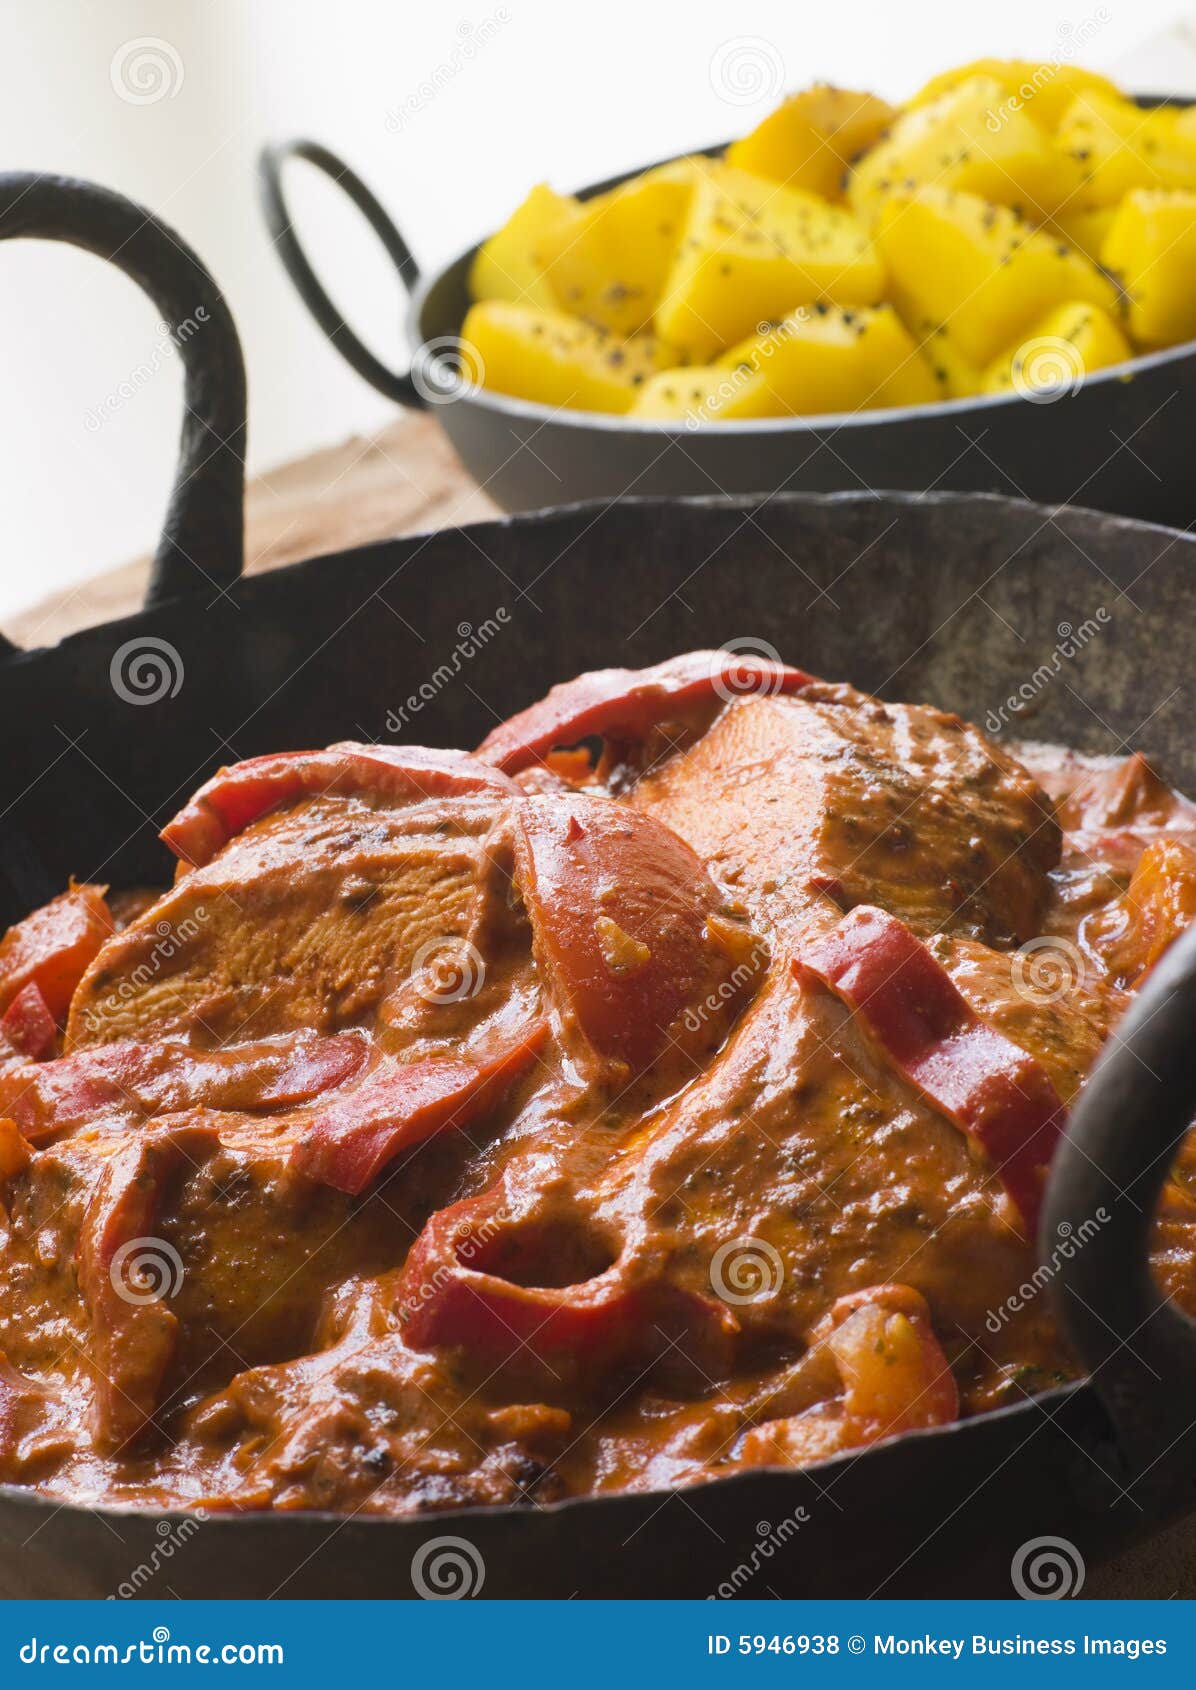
(619,907)
(54,947)
(399,1106)
(244,792)
(625,704)
(989,1087)
(28,1024)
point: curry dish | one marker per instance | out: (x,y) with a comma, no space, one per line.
(664,1089)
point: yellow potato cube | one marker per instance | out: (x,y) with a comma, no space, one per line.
(834,358)
(608,262)
(553,359)
(1151,249)
(812,138)
(980,269)
(968,141)
(1044,89)
(704,393)
(1119,147)
(506,266)
(752,250)
(1058,351)
(955,376)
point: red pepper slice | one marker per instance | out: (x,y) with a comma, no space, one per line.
(265,1075)
(244,792)
(626,703)
(991,1088)
(618,905)
(28,1023)
(552,1336)
(54,947)
(397,1107)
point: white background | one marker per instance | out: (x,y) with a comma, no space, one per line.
(450,110)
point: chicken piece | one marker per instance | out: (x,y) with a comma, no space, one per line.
(833,792)
(307,919)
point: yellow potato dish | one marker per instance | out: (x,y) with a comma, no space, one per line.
(1013,227)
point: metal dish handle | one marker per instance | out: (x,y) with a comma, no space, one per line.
(202,540)
(1138,1347)
(395,384)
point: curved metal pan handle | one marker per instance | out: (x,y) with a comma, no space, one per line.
(1139,1348)
(202,540)
(395,384)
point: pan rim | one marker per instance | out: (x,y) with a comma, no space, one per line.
(1045,1402)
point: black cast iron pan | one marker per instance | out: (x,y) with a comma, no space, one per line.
(953,598)
(1120,442)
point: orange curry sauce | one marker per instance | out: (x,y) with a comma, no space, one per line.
(666,1088)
